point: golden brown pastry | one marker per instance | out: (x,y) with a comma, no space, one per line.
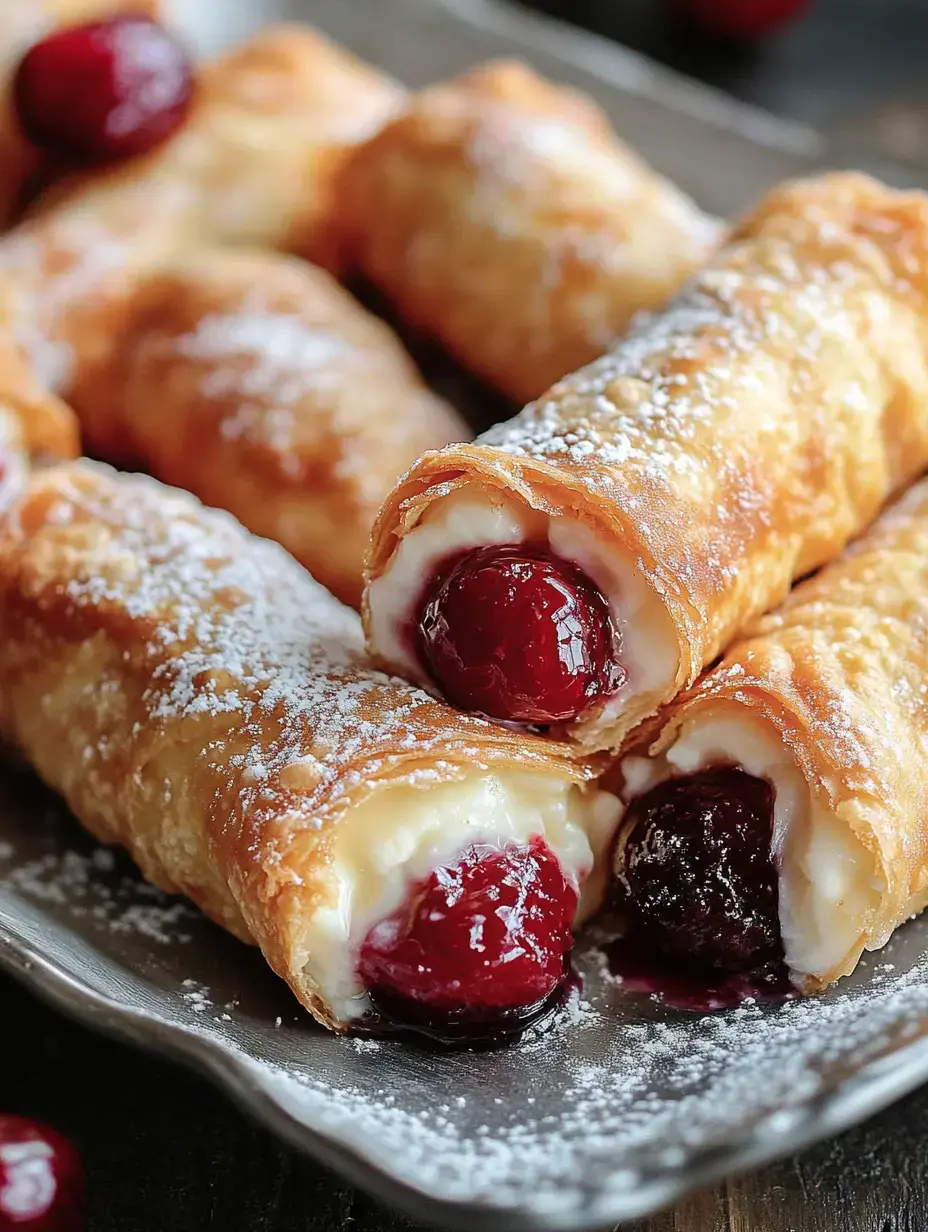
(791,783)
(623,529)
(23,22)
(502,215)
(198,699)
(256,382)
(253,164)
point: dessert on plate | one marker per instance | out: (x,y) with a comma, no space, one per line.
(413,851)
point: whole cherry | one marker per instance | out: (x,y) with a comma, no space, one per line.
(488,934)
(517,633)
(41,1179)
(104,90)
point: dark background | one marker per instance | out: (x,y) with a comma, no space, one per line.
(167,1153)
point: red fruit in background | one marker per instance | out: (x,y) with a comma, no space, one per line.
(41,1179)
(742,19)
(104,90)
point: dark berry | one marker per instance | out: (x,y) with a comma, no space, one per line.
(740,19)
(697,869)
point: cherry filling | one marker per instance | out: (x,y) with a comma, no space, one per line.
(41,1178)
(697,870)
(519,634)
(103,90)
(478,940)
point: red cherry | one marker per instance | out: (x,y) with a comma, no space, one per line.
(741,19)
(517,633)
(104,90)
(41,1179)
(491,932)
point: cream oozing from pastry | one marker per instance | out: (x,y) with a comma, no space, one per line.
(826,886)
(421,828)
(470,519)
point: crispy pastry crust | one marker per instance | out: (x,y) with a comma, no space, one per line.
(501,214)
(839,671)
(256,382)
(198,699)
(739,439)
(254,164)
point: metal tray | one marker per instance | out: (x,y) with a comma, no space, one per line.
(622,1105)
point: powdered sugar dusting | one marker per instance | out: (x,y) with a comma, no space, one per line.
(229,625)
(266,355)
(629,1091)
(123,905)
(645,406)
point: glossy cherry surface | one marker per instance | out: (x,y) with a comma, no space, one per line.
(41,1179)
(697,870)
(516,633)
(487,935)
(103,91)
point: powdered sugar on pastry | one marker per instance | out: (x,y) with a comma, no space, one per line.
(224,724)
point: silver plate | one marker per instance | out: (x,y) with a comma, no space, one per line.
(622,1105)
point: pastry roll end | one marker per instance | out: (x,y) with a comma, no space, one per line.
(198,699)
(671,491)
(788,789)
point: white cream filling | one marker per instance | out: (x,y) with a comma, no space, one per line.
(401,834)
(468,519)
(826,890)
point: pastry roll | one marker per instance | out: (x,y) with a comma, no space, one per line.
(254,163)
(198,699)
(619,532)
(255,381)
(23,22)
(502,215)
(777,810)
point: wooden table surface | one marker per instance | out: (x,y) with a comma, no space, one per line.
(167,1153)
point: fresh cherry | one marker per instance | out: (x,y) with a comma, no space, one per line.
(41,1179)
(486,935)
(697,869)
(740,19)
(104,90)
(517,633)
